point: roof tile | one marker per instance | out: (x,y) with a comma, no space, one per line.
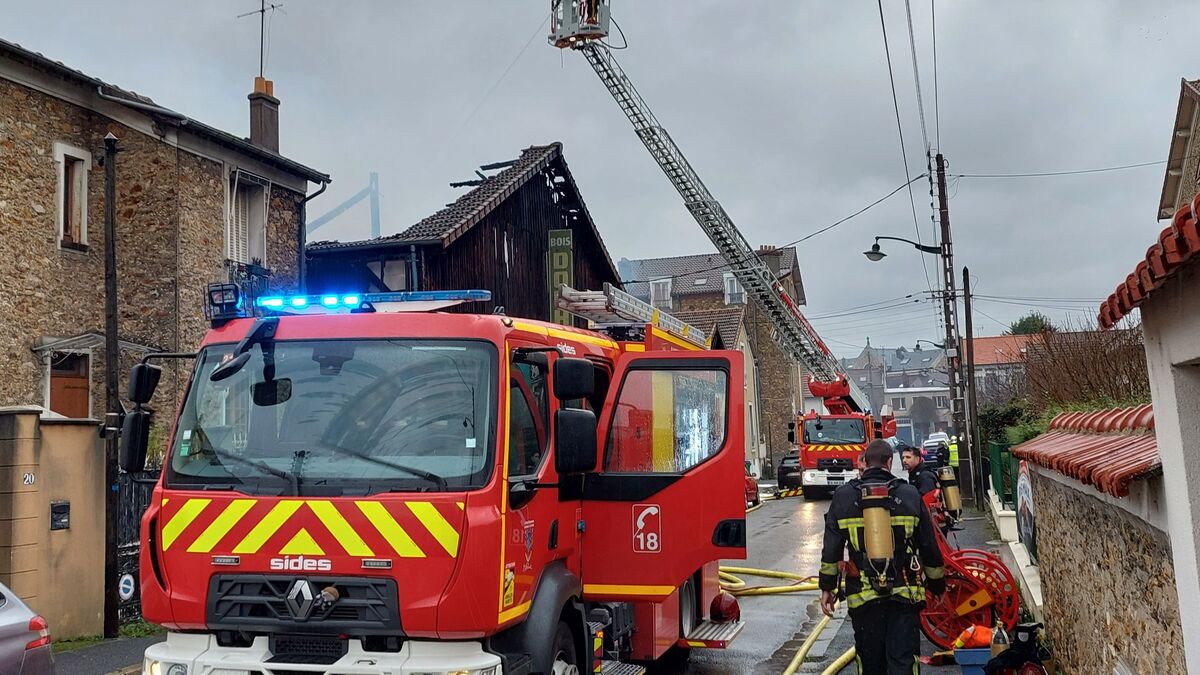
(1177,244)
(1107,449)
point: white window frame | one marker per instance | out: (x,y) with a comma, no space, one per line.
(903,403)
(733,298)
(48,360)
(61,152)
(941,402)
(258,189)
(660,283)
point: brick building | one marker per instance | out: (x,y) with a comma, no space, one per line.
(705,282)
(194,205)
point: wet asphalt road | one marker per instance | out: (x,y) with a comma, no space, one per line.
(784,535)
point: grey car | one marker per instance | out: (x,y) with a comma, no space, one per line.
(24,638)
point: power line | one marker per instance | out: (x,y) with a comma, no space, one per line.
(870,304)
(1058,173)
(937,120)
(806,237)
(900,130)
(868,310)
(504,74)
(912,45)
(998,322)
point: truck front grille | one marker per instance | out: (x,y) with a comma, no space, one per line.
(259,603)
(835,464)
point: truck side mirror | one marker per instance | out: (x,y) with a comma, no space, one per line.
(143,380)
(574,441)
(791,432)
(135,440)
(573,378)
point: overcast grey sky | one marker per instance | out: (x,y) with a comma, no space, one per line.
(783,107)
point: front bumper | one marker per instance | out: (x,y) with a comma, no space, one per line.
(201,655)
(826,477)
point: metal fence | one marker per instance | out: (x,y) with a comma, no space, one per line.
(135,490)
(1004,473)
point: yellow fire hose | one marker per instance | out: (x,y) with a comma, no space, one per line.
(804,648)
(842,661)
(735,585)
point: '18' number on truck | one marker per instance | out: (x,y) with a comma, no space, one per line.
(647,528)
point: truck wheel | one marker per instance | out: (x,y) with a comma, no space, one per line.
(566,661)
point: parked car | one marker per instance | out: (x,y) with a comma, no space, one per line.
(752,497)
(789,471)
(24,638)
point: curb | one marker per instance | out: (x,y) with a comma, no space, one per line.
(135,669)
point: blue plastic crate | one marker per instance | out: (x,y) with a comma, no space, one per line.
(972,661)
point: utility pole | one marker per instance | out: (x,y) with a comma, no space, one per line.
(975,448)
(111,382)
(950,317)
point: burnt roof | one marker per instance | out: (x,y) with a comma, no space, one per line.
(134,100)
(462,214)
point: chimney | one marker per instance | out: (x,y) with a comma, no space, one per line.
(771,256)
(264,115)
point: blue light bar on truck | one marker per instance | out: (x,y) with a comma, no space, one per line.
(399,301)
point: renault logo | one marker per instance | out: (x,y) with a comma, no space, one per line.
(300,599)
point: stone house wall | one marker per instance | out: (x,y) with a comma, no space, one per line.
(170,240)
(1108,583)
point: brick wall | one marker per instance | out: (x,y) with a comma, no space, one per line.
(170,240)
(1108,583)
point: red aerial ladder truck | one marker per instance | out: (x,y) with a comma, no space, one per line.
(360,484)
(830,442)
(826,461)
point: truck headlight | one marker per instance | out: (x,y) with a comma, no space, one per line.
(490,670)
(152,667)
(810,476)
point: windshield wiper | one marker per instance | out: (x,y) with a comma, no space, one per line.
(412,471)
(292,479)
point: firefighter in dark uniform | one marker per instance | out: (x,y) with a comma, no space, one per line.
(893,557)
(920,474)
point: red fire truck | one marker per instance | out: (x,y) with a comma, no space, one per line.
(362,484)
(830,443)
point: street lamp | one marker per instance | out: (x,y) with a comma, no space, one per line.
(875,255)
(936,345)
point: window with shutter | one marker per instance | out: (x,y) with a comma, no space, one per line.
(239,225)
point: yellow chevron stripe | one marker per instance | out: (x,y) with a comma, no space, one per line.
(221,525)
(341,530)
(182,518)
(387,526)
(302,544)
(266,527)
(433,521)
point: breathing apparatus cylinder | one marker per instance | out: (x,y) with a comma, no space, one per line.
(877,532)
(950,492)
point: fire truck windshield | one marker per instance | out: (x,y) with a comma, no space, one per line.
(340,417)
(833,430)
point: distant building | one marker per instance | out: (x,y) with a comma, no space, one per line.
(518,233)
(1000,366)
(912,382)
(194,205)
(705,282)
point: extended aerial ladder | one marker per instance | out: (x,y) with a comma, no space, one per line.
(624,316)
(582,25)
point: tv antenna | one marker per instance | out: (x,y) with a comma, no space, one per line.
(262,28)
